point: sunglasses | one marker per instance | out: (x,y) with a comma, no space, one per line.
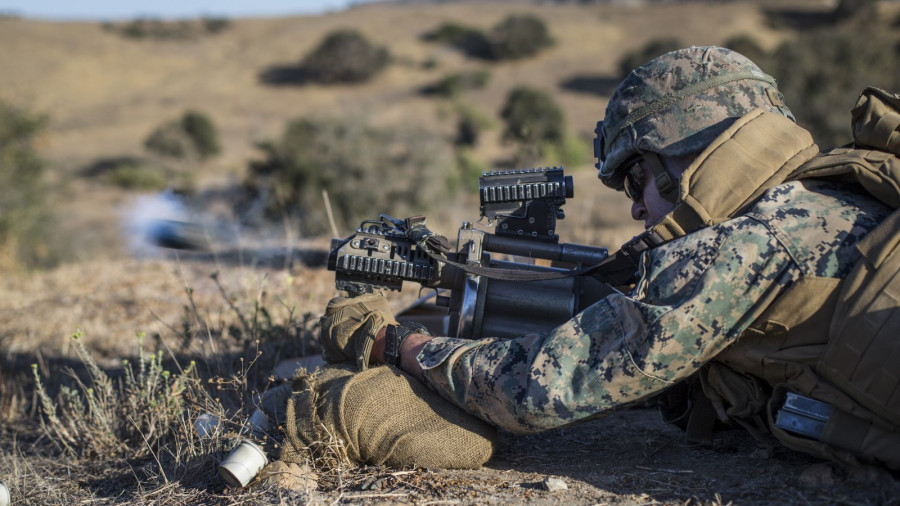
(634,182)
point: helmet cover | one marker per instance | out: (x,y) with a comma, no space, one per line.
(677,104)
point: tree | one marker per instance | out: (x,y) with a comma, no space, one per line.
(192,136)
(531,117)
(365,170)
(533,121)
(344,56)
(24,214)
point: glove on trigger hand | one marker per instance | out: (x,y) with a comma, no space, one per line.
(349,325)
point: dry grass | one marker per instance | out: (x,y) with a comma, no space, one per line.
(93,429)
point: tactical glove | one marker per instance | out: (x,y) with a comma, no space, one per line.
(349,325)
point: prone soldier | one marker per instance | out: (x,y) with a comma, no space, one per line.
(763,278)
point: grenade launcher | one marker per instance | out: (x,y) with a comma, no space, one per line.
(480,290)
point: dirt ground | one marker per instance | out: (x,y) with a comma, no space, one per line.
(627,457)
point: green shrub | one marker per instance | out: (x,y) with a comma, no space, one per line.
(532,116)
(519,37)
(169,140)
(570,152)
(202,133)
(469,169)
(215,25)
(470,124)
(24,213)
(158,29)
(451,33)
(142,416)
(822,72)
(138,177)
(365,171)
(192,136)
(344,56)
(454,84)
(533,121)
(649,51)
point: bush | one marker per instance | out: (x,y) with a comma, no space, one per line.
(344,56)
(192,136)
(651,50)
(149,28)
(570,152)
(533,121)
(202,133)
(469,168)
(822,73)
(470,125)
(532,117)
(513,38)
(365,170)
(519,37)
(454,84)
(451,33)
(24,213)
(138,176)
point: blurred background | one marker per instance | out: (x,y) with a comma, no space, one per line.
(254,119)
(262,129)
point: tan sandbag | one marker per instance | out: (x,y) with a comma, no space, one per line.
(381,416)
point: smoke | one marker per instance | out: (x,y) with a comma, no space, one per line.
(156,222)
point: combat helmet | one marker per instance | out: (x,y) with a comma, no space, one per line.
(675,105)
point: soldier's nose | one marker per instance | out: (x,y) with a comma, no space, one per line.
(638,211)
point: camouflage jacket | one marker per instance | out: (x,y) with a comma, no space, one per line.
(695,296)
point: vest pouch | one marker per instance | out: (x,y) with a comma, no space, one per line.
(863,350)
(876,120)
(844,438)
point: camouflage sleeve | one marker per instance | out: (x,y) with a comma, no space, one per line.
(695,296)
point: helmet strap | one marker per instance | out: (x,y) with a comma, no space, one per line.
(665,183)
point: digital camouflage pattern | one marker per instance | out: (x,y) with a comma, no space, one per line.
(696,295)
(678,103)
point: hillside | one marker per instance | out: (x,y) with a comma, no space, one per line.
(235,312)
(104,93)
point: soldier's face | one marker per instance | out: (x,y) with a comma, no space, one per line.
(650,207)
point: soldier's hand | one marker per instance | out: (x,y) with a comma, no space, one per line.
(349,326)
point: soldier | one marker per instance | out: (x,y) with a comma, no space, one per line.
(740,270)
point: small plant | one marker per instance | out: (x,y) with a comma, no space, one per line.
(344,56)
(193,136)
(143,415)
(137,176)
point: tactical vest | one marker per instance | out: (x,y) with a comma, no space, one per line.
(832,340)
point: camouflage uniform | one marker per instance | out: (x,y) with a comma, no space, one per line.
(695,294)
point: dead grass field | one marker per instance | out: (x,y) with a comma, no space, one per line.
(104,93)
